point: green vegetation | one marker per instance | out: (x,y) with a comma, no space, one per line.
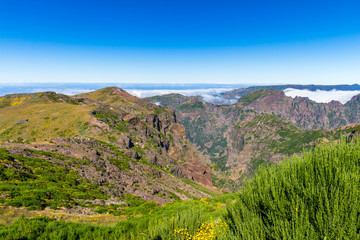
(295,140)
(82,127)
(57,98)
(112,118)
(116,150)
(255,164)
(158,223)
(316,196)
(159,111)
(40,116)
(36,183)
(196,132)
(254,95)
(192,106)
(120,163)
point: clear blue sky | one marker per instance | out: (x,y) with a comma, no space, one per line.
(244,42)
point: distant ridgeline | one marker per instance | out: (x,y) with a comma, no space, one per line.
(243,91)
(312,87)
(262,127)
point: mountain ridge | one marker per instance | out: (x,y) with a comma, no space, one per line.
(239,92)
(141,143)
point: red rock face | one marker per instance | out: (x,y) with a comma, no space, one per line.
(121,92)
(97,122)
(197,172)
(305,113)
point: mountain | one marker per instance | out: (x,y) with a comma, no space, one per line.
(107,156)
(95,150)
(264,126)
(301,111)
(237,93)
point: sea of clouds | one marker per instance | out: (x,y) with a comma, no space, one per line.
(212,95)
(66,91)
(322,96)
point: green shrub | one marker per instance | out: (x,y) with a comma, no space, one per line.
(35,183)
(316,196)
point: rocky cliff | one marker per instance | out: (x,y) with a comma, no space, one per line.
(301,111)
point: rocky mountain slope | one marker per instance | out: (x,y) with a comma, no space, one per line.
(263,126)
(237,93)
(121,146)
(302,111)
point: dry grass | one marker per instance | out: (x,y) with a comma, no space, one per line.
(10,214)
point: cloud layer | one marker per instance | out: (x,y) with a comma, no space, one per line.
(66,91)
(322,96)
(212,95)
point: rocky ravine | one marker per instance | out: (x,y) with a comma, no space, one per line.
(263,126)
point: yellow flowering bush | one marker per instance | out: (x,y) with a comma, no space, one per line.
(204,200)
(207,231)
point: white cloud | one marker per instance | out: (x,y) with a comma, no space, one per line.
(212,95)
(322,96)
(185,92)
(66,91)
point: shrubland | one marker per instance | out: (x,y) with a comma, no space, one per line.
(313,196)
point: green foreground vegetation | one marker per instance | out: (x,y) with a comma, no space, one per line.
(316,196)
(176,220)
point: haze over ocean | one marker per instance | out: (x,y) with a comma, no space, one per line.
(208,92)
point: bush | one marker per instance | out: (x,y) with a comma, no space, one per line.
(316,196)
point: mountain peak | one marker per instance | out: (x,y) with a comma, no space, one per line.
(258,94)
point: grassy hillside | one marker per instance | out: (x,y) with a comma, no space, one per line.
(36,183)
(77,150)
(38,116)
(200,219)
(254,95)
(316,196)
(119,98)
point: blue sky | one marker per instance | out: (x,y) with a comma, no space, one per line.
(238,42)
